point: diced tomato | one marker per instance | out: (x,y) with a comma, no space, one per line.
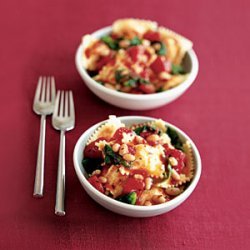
(157,65)
(131,149)
(94,181)
(92,151)
(147,54)
(166,147)
(152,36)
(87,52)
(134,52)
(145,134)
(178,154)
(118,136)
(145,74)
(103,61)
(112,62)
(180,157)
(160,64)
(147,88)
(142,172)
(132,184)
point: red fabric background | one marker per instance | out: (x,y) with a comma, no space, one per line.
(40,38)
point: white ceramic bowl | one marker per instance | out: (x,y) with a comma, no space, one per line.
(134,101)
(123,208)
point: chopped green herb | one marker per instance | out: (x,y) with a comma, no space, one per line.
(175,139)
(143,81)
(129,198)
(112,43)
(112,158)
(130,83)
(177,69)
(163,50)
(135,41)
(118,75)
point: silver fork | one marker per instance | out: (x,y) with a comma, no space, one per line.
(63,119)
(43,105)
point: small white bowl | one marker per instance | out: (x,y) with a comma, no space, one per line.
(137,101)
(123,208)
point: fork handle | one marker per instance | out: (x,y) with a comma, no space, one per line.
(60,186)
(39,178)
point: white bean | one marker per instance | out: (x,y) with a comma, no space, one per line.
(173,161)
(123,149)
(148,183)
(175,175)
(173,191)
(129,157)
(116,147)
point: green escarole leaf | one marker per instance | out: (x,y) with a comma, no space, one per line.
(177,69)
(129,198)
(91,164)
(141,129)
(112,158)
(167,174)
(118,75)
(135,41)
(163,49)
(130,83)
(112,43)
(175,139)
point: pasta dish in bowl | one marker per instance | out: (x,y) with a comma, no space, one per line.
(136,64)
(137,166)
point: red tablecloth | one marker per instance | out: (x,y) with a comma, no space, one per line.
(40,38)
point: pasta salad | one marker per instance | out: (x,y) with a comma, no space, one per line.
(137,57)
(144,164)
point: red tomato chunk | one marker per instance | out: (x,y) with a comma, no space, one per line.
(134,52)
(94,181)
(118,136)
(132,184)
(147,88)
(103,61)
(159,65)
(152,36)
(91,150)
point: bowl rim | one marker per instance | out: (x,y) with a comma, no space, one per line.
(130,207)
(139,97)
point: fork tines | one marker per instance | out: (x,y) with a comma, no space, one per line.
(64,105)
(45,85)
